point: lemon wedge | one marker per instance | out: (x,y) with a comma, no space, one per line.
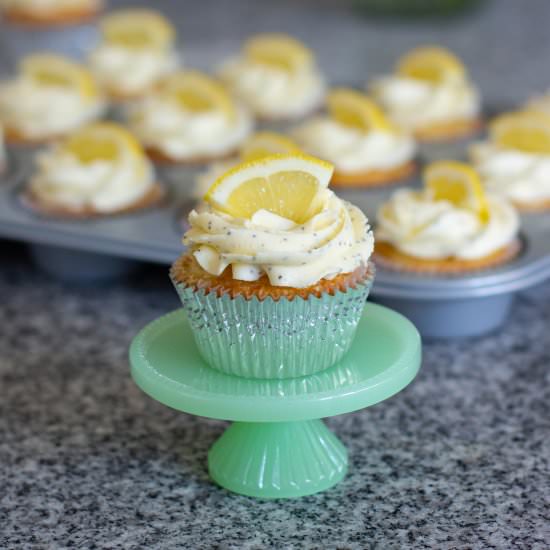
(286,185)
(137,29)
(525,131)
(278,50)
(264,144)
(459,184)
(54,70)
(105,141)
(357,110)
(431,63)
(198,92)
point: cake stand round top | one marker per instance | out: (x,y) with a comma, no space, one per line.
(384,358)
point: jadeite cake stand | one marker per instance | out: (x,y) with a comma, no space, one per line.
(277,446)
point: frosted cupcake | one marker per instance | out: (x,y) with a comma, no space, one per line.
(450,226)
(515,161)
(277,266)
(257,146)
(276,76)
(190,118)
(45,13)
(48,98)
(99,170)
(365,148)
(137,49)
(431,95)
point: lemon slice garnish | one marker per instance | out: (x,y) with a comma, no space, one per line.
(198,92)
(264,144)
(137,29)
(357,110)
(525,131)
(278,50)
(459,184)
(54,70)
(286,185)
(430,63)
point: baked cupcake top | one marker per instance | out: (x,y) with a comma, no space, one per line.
(137,49)
(100,168)
(515,160)
(451,217)
(49,96)
(276,216)
(355,136)
(276,76)
(430,86)
(190,116)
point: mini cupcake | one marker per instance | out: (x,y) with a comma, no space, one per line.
(257,146)
(365,148)
(515,160)
(46,13)
(137,49)
(276,76)
(277,266)
(99,170)
(430,95)
(448,227)
(50,97)
(189,119)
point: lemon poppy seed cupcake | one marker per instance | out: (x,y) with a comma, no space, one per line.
(45,13)
(99,170)
(431,95)
(50,97)
(277,265)
(449,227)
(366,149)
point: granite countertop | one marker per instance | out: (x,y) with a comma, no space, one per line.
(460,459)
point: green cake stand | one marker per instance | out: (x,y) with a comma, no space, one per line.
(277,446)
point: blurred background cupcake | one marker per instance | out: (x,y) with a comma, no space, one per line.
(46,13)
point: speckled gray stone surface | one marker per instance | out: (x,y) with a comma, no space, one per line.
(460,459)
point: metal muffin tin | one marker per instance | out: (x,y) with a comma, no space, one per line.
(440,306)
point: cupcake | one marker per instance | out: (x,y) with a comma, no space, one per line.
(276,76)
(137,49)
(45,13)
(188,119)
(515,161)
(277,266)
(449,227)
(50,97)
(99,170)
(430,95)
(257,146)
(366,149)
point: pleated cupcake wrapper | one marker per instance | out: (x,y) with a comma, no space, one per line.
(273,339)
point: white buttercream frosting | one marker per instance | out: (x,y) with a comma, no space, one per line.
(161,123)
(131,71)
(37,110)
(336,240)
(106,186)
(413,103)
(272,92)
(417,225)
(520,176)
(350,149)
(48,6)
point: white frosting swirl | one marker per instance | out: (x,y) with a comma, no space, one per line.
(48,6)
(413,103)
(129,71)
(520,176)
(37,110)
(352,150)
(274,93)
(106,186)
(419,226)
(336,240)
(164,125)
